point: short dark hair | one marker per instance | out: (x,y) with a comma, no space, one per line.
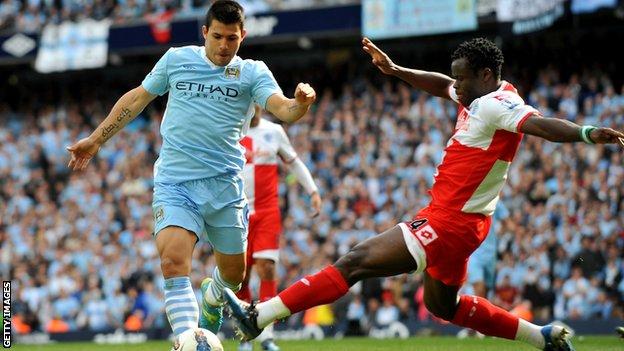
(226,12)
(480,53)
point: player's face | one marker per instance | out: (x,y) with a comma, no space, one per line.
(222,41)
(469,84)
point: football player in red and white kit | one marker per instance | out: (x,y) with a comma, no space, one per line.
(492,118)
(265,144)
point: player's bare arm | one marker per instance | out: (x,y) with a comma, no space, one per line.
(434,83)
(562,131)
(124,111)
(291,110)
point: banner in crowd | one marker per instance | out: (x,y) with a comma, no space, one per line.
(514,10)
(313,21)
(160,25)
(529,15)
(262,26)
(585,6)
(71,46)
(396,18)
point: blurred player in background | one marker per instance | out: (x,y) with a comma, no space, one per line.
(492,119)
(266,143)
(482,265)
(198,186)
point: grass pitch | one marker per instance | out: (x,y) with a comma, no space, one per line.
(582,343)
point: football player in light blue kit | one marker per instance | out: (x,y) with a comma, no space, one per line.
(198,190)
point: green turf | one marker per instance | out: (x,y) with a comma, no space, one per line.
(602,343)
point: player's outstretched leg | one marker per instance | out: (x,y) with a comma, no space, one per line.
(321,288)
(481,315)
(383,255)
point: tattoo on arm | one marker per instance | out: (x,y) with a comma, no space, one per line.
(125,113)
(108,131)
(112,128)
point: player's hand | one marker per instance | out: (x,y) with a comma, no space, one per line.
(316,201)
(305,94)
(380,58)
(81,153)
(607,136)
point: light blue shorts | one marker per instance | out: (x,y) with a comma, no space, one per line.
(215,209)
(482,268)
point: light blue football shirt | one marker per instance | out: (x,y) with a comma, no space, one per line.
(208,111)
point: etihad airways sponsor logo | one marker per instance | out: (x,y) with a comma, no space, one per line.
(211,91)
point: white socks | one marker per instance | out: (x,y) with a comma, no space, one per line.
(271,310)
(532,334)
(214,294)
(180,304)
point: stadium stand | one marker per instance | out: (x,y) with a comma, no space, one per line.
(80,246)
(31,16)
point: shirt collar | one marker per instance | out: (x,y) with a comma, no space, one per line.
(212,65)
(502,87)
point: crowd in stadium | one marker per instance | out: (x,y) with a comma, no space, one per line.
(80,251)
(30,16)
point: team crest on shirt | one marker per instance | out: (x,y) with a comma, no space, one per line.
(159,214)
(232,72)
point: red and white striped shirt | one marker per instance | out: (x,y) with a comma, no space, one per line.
(478,155)
(264,144)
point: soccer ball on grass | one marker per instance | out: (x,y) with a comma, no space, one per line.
(199,339)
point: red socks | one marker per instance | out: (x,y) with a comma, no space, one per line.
(321,288)
(268,289)
(244,293)
(481,315)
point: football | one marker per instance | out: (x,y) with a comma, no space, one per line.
(199,339)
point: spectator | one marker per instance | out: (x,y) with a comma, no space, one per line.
(57,325)
(356,314)
(388,312)
(589,259)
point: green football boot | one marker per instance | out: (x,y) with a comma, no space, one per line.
(211,317)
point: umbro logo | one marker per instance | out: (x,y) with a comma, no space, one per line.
(188,67)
